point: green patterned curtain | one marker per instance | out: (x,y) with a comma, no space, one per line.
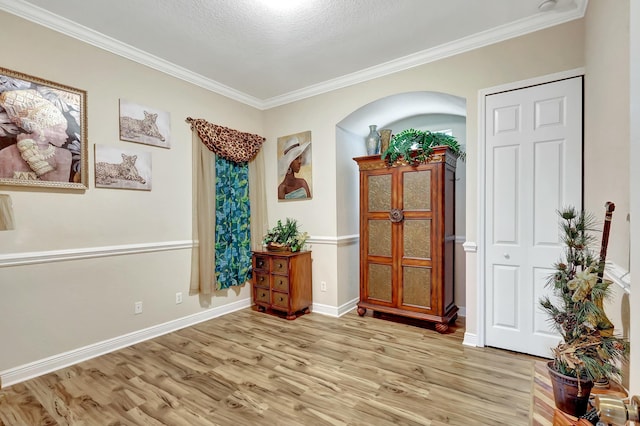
(228,253)
(233,236)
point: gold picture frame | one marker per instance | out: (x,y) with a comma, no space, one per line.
(43,133)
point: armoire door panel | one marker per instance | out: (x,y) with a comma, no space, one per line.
(379,193)
(416,287)
(417,238)
(380,283)
(416,190)
(379,238)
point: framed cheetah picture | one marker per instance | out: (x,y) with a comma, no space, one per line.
(43,133)
(122,168)
(144,124)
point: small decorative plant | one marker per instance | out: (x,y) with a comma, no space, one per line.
(589,349)
(416,146)
(285,236)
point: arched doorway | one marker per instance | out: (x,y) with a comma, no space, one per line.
(433,111)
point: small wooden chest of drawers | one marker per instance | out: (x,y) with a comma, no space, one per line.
(282,281)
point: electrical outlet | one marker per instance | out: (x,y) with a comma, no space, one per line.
(137,308)
(178,297)
(323,286)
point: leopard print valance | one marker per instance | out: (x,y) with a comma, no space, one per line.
(233,145)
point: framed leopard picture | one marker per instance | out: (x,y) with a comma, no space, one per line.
(122,168)
(144,124)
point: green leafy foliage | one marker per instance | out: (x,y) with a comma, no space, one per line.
(589,349)
(286,235)
(416,146)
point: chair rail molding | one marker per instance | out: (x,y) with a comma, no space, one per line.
(341,240)
(618,275)
(470,247)
(30,258)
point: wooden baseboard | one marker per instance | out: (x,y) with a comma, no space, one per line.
(56,362)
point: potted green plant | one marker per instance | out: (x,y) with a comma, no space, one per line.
(589,351)
(285,237)
(416,146)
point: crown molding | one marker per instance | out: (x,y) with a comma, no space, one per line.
(72,29)
(475,41)
(485,38)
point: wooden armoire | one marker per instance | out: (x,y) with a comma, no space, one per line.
(407,238)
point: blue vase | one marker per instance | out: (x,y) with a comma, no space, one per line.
(372,141)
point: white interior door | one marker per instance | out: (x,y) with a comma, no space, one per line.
(533,169)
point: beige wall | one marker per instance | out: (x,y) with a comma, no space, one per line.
(54,307)
(606,119)
(607,145)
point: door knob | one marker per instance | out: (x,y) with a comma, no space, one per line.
(506,255)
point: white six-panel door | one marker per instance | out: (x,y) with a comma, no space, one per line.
(533,168)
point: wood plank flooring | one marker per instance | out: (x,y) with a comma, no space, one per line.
(252,368)
(543,407)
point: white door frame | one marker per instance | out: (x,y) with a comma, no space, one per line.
(480,338)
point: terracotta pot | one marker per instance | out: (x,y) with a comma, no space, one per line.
(565,392)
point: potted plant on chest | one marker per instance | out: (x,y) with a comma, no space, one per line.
(416,146)
(589,350)
(285,237)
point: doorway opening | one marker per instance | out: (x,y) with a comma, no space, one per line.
(434,111)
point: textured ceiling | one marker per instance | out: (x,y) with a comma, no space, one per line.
(263,54)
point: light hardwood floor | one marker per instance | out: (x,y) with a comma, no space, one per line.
(252,368)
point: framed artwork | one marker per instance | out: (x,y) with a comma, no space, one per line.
(122,168)
(43,133)
(145,125)
(294,167)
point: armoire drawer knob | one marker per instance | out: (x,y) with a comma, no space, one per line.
(396,215)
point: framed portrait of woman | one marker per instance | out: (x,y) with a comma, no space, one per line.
(43,133)
(294,167)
